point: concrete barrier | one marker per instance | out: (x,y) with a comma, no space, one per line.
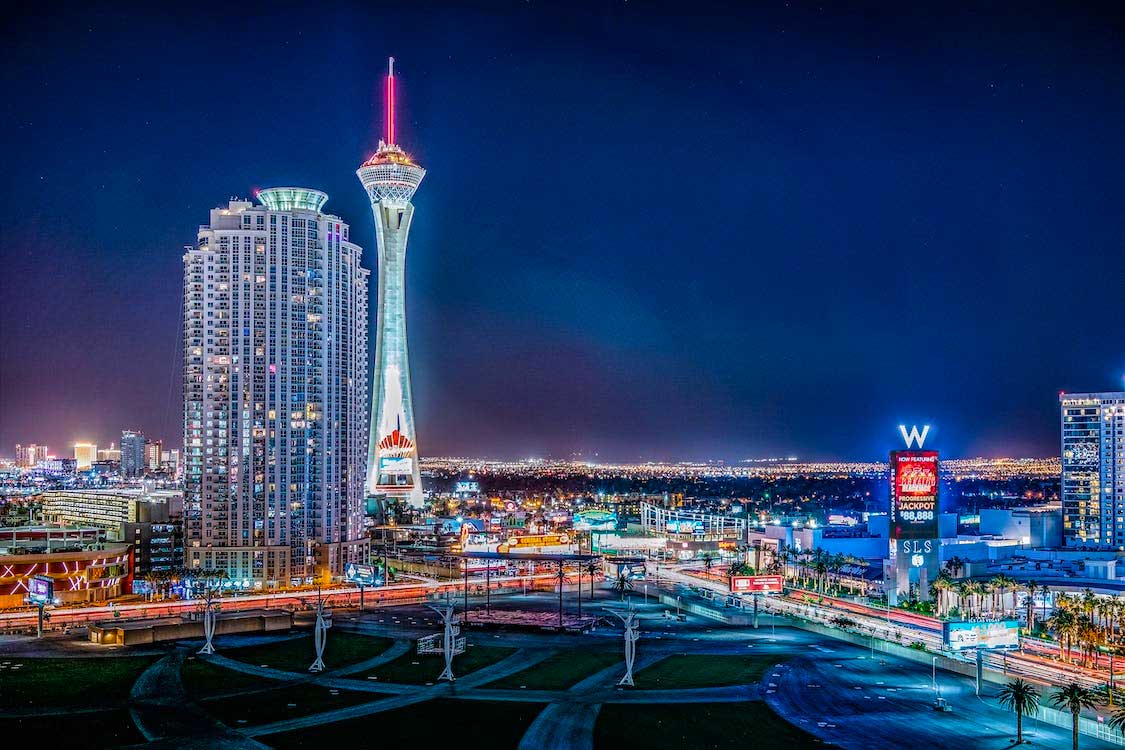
(147,632)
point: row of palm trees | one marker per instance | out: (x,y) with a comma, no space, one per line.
(1023,698)
(1088,623)
(973,598)
(161,581)
(811,568)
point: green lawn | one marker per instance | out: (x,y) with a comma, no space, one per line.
(202,679)
(560,671)
(700,726)
(296,654)
(105,728)
(464,725)
(412,669)
(691,671)
(69,682)
(274,705)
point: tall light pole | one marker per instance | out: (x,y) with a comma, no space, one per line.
(320,634)
(933,676)
(632,635)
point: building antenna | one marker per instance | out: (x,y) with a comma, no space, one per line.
(390,108)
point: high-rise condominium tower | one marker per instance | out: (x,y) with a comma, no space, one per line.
(132,453)
(275,391)
(390,178)
(1093,469)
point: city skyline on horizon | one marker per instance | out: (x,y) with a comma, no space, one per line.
(537,330)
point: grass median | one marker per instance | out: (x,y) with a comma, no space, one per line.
(419,669)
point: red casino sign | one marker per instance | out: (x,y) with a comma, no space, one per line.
(756,584)
(914,494)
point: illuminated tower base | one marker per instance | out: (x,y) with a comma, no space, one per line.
(390,178)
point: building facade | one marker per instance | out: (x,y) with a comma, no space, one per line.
(1093,469)
(132,453)
(110,510)
(390,178)
(275,389)
(85,568)
(28,456)
(154,449)
(85,454)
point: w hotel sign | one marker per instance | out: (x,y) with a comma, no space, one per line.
(914,487)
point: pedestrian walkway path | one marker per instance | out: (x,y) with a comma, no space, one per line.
(161,711)
(166,716)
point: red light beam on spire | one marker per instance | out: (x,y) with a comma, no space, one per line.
(390,104)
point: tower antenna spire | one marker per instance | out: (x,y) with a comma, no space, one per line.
(390,108)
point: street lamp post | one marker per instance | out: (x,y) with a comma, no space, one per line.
(933,676)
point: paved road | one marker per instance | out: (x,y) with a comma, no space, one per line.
(847,698)
(830,688)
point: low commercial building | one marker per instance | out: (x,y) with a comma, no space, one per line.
(85,567)
(151,521)
(111,509)
(1039,527)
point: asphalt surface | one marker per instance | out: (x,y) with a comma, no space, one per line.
(832,689)
(841,694)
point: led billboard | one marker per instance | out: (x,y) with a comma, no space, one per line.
(684,527)
(914,495)
(41,589)
(595,520)
(997,634)
(364,575)
(395,465)
(756,584)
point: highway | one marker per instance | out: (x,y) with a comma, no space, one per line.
(1041,662)
(402,593)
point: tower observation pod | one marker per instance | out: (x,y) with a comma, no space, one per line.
(390,178)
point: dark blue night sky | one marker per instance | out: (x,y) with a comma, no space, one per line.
(644,234)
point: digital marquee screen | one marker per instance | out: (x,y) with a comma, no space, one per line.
(914,494)
(395,465)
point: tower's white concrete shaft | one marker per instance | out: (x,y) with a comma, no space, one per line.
(390,178)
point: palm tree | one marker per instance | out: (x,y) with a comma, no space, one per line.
(820,568)
(835,564)
(1032,589)
(955,565)
(1000,584)
(965,598)
(1118,720)
(985,589)
(980,589)
(1064,623)
(1074,698)
(1022,697)
(943,584)
(622,584)
(592,569)
(757,549)
(1088,603)
(708,560)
